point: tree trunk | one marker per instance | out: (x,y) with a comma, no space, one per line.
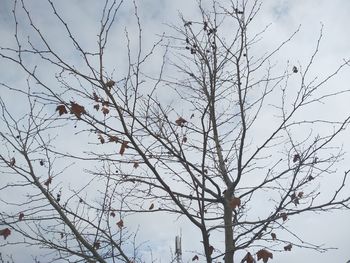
(229,245)
(206,244)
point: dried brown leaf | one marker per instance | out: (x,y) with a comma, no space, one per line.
(12,161)
(264,255)
(100,137)
(96,98)
(5,232)
(21,216)
(77,109)
(105,110)
(123,147)
(248,258)
(288,247)
(120,223)
(110,83)
(48,181)
(180,121)
(61,109)
(195,258)
(273,235)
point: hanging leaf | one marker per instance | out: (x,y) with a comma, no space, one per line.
(295,69)
(12,161)
(112,214)
(62,235)
(120,223)
(235,202)
(112,138)
(273,235)
(300,194)
(110,83)
(61,109)
(41,162)
(248,258)
(284,216)
(48,181)
(96,98)
(5,232)
(21,216)
(136,164)
(100,137)
(105,103)
(97,107)
(195,258)
(105,110)
(180,121)
(296,158)
(288,247)
(151,207)
(184,139)
(77,109)
(264,255)
(123,147)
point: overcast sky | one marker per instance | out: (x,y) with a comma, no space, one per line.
(285,17)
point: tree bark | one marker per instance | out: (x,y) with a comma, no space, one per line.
(229,245)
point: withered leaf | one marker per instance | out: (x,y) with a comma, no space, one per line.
(180,121)
(76,109)
(96,98)
(110,83)
(5,232)
(300,194)
(48,181)
(61,109)
(296,158)
(113,138)
(264,255)
(12,161)
(284,216)
(62,235)
(100,137)
(97,107)
(151,207)
(123,147)
(184,139)
(105,103)
(235,202)
(41,162)
(112,214)
(136,164)
(248,258)
(296,201)
(120,223)
(21,216)
(288,247)
(105,110)
(195,258)
(295,69)
(273,235)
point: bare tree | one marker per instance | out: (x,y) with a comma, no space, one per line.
(201,156)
